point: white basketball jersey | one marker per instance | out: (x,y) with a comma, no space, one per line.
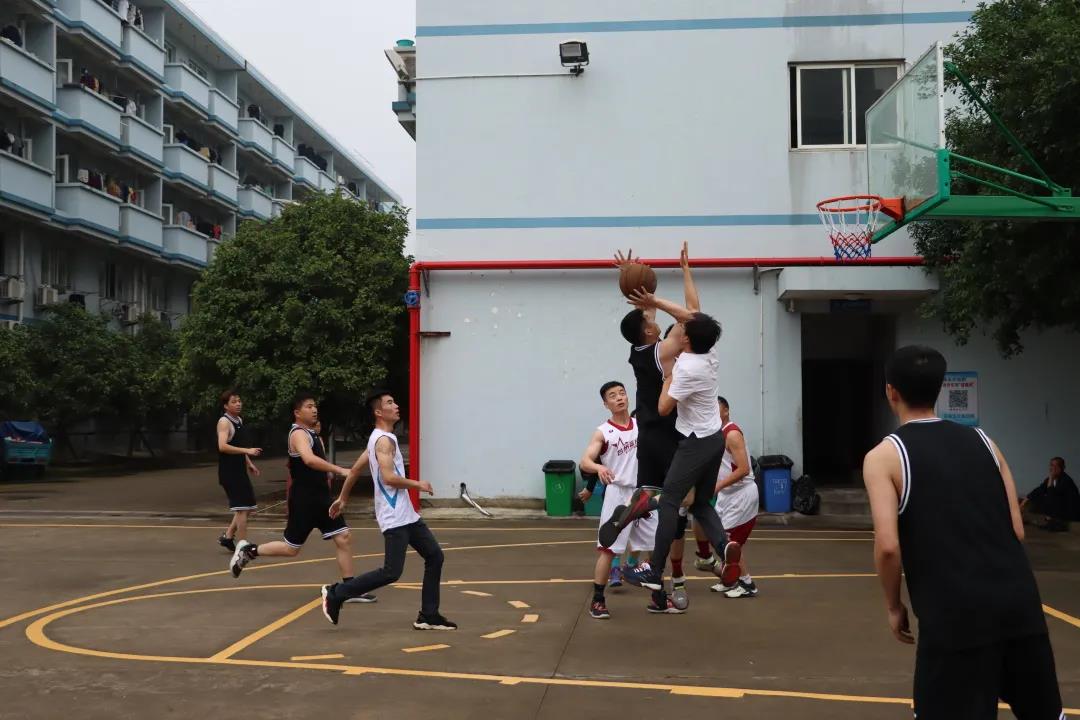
(736,504)
(729,463)
(393,506)
(619,452)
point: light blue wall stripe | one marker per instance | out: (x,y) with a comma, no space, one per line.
(616,221)
(735,23)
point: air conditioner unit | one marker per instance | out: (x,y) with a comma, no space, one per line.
(129,314)
(12,290)
(46,296)
(8,324)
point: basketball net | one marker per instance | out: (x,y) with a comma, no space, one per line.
(851,221)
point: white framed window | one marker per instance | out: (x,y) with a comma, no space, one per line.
(54,268)
(829,100)
(170,52)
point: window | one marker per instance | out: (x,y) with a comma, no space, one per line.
(197,68)
(54,268)
(157,293)
(3,255)
(117,283)
(828,101)
(170,52)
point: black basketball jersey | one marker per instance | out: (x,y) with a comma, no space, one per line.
(649,374)
(968,576)
(230,464)
(303,477)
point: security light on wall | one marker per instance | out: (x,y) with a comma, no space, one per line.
(574,54)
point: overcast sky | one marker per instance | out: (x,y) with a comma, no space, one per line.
(327,55)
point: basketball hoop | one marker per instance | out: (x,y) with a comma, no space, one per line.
(851,221)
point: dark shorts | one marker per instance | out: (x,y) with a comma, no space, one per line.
(239,491)
(309,508)
(655,451)
(741,533)
(968,683)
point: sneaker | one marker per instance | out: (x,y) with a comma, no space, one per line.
(730,571)
(241,557)
(227,543)
(721,587)
(743,589)
(667,607)
(644,576)
(679,597)
(705,564)
(641,503)
(330,608)
(365,598)
(433,622)
(615,578)
(599,610)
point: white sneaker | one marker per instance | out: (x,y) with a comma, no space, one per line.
(240,557)
(705,564)
(722,588)
(742,590)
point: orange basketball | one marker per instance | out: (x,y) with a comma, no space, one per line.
(636,275)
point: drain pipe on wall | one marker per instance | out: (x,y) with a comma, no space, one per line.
(758,273)
(423,268)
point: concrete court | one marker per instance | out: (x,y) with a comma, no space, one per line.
(132,618)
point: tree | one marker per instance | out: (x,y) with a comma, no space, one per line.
(17,381)
(1023,56)
(308,301)
(154,396)
(79,366)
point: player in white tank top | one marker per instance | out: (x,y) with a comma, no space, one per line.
(393,506)
(615,444)
(736,498)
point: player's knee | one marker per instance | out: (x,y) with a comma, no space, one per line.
(342,540)
(291,551)
(434,558)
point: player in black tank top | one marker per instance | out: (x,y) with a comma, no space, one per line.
(944,506)
(234,462)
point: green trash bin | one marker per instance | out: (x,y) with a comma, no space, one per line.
(559,481)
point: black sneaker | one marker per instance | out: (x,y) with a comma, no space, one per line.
(331,608)
(433,622)
(641,503)
(227,543)
(365,598)
(599,610)
(664,607)
(644,576)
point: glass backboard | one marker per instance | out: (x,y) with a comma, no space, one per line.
(905,129)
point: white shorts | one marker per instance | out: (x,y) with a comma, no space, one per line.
(638,535)
(737,505)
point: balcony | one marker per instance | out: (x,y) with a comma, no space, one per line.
(185,84)
(142,139)
(255,203)
(183,163)
(284,155)
(144,53)
(90,112)
(26,76)
(83,206)
(185,245)
(140,228)
(223,185)
(254,134)
(224,111)
(95,19)
(26,184)
(326,183)
(306,172)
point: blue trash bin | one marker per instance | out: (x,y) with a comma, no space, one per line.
(776,481)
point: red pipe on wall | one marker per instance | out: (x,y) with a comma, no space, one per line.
(474,265)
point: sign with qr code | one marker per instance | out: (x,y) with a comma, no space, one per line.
(959,398)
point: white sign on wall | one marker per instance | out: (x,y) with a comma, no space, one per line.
(959,398)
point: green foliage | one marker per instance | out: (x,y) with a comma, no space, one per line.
(155,390)
(1022,55)
(309,301)
(17,382)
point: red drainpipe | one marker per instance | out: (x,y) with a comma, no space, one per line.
(473,265)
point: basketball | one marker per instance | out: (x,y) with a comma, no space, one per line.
(636,275)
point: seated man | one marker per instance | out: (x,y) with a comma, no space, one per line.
(1055,501)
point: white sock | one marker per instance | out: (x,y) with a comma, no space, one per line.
(678,581)
(746,579)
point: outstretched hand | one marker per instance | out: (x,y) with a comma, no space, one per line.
(642,299)
(684,257)
(620,261)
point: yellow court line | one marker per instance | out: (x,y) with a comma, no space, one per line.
(424,648)
(498,634)
(332,656)
(530,618)
(35,632)
(517,604)
(288,563)
(475,593)
(1064,616)
(264,631)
